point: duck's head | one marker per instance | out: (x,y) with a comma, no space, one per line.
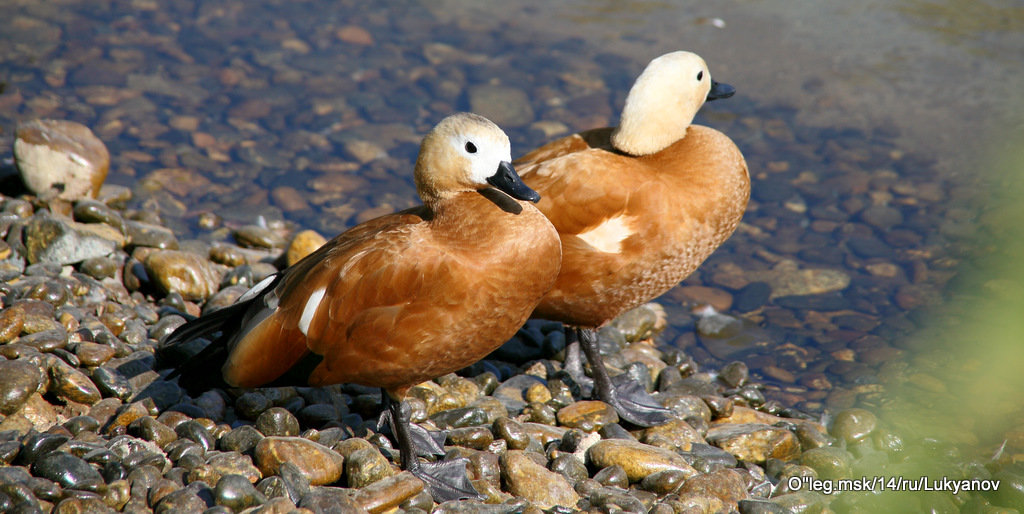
(467,152)
(663,101)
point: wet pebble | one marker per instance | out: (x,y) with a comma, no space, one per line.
(254,236)
(329,499)
(195,432)
(303,244)
(241,439)
(150,235)
(111,383)
(664,482)
(71,384)
(460,417)
(530,480)
(182,272)
(755,442)
(150,429)
(277,421)
(48,239)
(726,484)
(637,459)
(853,425)
(613,476)
(237,493)
(830,463)
(181,500)
(319,464)
(18,380)
(68,471)
(571,467)
(587,415)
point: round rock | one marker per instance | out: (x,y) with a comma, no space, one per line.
(186,273)
(62,158)
(528,479)
(319,464)
(18,380)
(637,459)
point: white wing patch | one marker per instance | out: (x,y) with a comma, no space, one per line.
(310,309)
(256,289)
(608,236)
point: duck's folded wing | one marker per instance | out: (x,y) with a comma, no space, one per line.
(336,307)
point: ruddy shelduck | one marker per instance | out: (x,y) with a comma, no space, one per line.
(400,299)
(638,208)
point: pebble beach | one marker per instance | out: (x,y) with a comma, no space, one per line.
(804,351)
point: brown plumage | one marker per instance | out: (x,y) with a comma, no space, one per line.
(640,206)
(405,297)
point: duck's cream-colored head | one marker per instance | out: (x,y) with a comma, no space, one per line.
(467,152)
(663,101)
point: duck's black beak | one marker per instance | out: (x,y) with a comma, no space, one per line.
(720,90)
(508,181)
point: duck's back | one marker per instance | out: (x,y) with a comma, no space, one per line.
(633,227)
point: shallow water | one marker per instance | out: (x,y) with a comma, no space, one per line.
(867,129)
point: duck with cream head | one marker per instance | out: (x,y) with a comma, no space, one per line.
(396,300)
(638,208)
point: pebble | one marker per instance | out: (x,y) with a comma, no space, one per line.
(613,476)
(726,484)
(388,493)
(150,235)
(19,379)
(674,435)
(530,480)
(237,493)
(11,322)
(241,439)
(277,421)
(182,272)
(150,429)
(365,466)
(637,459)
(788,279)
(755,442)
(587,415)
(303,244)
(664,482)
(329,499)
(318,464)
(853,425)
(71,384)
(255,236)
(640,323)
(830,463)
(48,239)
(67,470)
(60,157)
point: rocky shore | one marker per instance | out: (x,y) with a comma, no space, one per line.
(89,287)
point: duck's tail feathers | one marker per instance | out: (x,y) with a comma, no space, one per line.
(197,350)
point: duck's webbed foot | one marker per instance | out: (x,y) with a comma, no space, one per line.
(625,395)
(446,480)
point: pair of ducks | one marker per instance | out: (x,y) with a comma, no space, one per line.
(622,216)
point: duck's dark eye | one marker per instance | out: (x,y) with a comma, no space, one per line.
(470,147)
(700,75)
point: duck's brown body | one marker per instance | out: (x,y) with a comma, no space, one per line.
(397,300)
(411,296)
(632,227)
